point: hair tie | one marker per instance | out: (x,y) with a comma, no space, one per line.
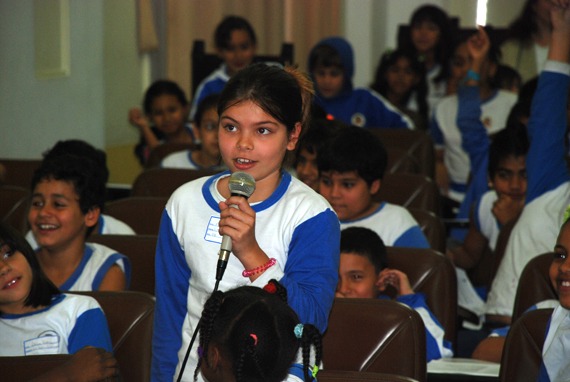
(254,338)
(298,331)
(314,371)
(270,288)
(200,352)
(566,214)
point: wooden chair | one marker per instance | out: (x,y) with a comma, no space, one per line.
(205,63)
(432,274)
(19,172)
(534,284)
(432,227)
(400,160)
(359,376)
(522,353)
(140,249)
(14,206)
(141,213)
(164,181)
(380,336)
(130,318)
(418,143)
(411,191)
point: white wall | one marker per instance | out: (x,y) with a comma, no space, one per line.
(34,113)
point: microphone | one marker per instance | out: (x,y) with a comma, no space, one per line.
(240,184)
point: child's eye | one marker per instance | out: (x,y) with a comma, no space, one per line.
(6,252)
(229,127)
(559,256)
(356,277)
(263,131)
(348,185)
(326,181)
(37,203)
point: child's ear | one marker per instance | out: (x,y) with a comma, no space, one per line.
(214,357)
(375,186)
(294,137)
(92,216)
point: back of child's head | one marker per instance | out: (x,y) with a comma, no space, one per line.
(80,149)
(207,103)
(285,94)
(507,78)
(520,112)
(258,330)
(83,173)
(319,133)
(364,242)
(42,289)
(160,88)
(510,141)
(223,33)
(332,52)
(354,149)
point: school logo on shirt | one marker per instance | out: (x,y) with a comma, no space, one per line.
(46,342)
(358,119)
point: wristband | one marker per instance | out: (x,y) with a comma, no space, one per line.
(260,269)
(472,76)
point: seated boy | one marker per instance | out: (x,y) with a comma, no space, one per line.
(351,168)
(331,64)
(67,196)
(363,274)
(105,224)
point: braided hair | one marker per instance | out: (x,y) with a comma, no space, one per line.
(258,331)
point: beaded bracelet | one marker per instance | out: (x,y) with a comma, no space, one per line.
(260,269)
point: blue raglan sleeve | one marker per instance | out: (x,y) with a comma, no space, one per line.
(115,258)
(91,329)
(383,114)
(546,163)
(311,271)
(437,346)
(172,282)
(413,238)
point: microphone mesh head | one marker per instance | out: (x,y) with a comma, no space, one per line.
(242,184)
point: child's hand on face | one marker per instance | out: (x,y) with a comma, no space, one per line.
(478,45)
(506,209)
(395,279)
(239,224)
(560,14)
(137,118)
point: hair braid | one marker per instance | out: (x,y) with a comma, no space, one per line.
(311,337)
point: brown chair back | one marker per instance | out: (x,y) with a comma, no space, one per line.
(14,202)
(432,227)
(400,160)
(19,172)
(359,376)
(534,284)
(141,213)
(161,151)
(140,249)
(410,191)
(418,143)
(372,335)
(522,353)
(130,318)
(432,274)
(164,181)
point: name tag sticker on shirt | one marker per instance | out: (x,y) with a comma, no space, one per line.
(46,343)
(212,234)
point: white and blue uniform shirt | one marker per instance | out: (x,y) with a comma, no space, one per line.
(394,224)
(485,221)
(67,325)
(447,136)
(295,225)
(213,84)
(556,348)
(548,189)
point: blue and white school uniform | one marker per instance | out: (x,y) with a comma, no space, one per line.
(183,159)
(394,224)
(96,262)
(213,84)
(436,346)
(295,225)
(107,225)
(447,136)
(556,348)
(67,325)
(548,189)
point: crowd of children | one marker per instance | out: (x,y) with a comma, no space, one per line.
(312,228)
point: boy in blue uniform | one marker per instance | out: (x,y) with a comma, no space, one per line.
(331,64)
(351,169)
(363,274)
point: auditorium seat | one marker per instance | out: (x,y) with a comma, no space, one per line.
(411,191)
(19,172)
(141,213)
(14,206)
(359,376)
(432,227)
(164,181)
(373,335)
